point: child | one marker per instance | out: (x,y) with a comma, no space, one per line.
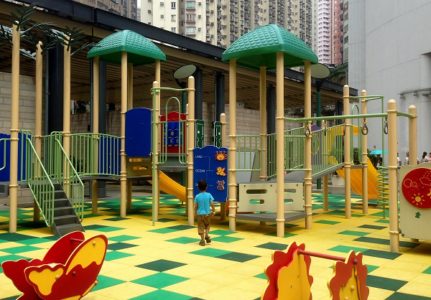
(203,202)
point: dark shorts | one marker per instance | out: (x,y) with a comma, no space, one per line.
(203,223)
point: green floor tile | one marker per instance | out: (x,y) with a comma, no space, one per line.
(354,233)
(381,254)
(385,283)
(261,276)
(102,228)
(239,257)
(181,227)
(371,268)
(184,240)
(20,249)
(37,241)
(161,265)
(105,282)
(385,221)
(385,242)
(123,238)
(165,220)
(329,222)
(14,237)
(377,227)
(117,219)
(402,296)
(347,249)
(113,255)
(226,239)
(162,295)
(11,257)
(286,234)
(427,271)
(273,246)
(160,280)
(221,232)
(211,252)
(162,230)
(120,246)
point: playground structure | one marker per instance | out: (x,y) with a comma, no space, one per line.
(289,275)
(97,156)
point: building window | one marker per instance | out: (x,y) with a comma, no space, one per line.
(162,16)
(162,4)
(190,5)
(174,29)
(173,5)
(173,18)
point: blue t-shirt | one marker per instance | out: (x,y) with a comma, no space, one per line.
(203,201)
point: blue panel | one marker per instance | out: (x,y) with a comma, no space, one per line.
(210,163)
(138,132)
(5,173)
(109,156)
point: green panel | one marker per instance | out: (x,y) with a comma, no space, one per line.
(259,47)
(161,265)
(160,280)
(140,50)
(217,134)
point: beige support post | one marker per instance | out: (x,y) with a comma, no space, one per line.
(413,144)
(129,106)
(279,129)
(308,180)
(263,125)
(96,96)
(392,169)
(223,144)
(123,174)
(13,184)
(347,161)
(158,70)
(190,146)
(364,146)
(155,129)
(38,117)
(232,146)
(66,112)
(325,193)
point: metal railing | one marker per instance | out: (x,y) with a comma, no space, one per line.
(383,189)
(4,141)
(248,152)
(40,183)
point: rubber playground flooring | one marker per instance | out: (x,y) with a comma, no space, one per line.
(165,261)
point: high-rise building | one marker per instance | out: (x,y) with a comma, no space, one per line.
(162,14)
(330,31)
(220,22)
(125,8)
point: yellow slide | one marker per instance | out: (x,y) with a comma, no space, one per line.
(356,180)
(171,187)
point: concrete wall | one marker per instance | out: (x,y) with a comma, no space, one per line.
(396,53)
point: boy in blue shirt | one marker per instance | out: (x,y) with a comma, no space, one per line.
(203,202)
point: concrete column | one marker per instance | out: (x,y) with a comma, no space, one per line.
(66,113)
(219,95)
(393,167)
(55,89)
(347,160)
(280,143)
(413,132)
(232,146)
(270,109)
(123,173)
(14,128)
(129,106)
(199,94)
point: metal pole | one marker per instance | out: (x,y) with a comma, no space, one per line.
(280,143)
(13,184)
(413,144)
(307,149)
(263,125)
(123,174)
(96,106)
(156,120)
(155,154)
(364,146)
(129,106)
(318,114)
(223,144)
(232,145)
(325,193)
(38,116)
(392,169)
(190,146)
(66,111)
(347,162)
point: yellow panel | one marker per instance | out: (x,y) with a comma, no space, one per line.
(93,251)
(350,290)
(45,279)
(293,281)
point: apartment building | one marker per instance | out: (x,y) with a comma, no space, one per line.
(125,8)
(162,14)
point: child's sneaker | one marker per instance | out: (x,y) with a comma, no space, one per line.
(202,243)
(208,239)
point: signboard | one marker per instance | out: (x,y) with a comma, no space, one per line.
(210,164)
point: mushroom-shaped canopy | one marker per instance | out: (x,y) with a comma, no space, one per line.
(140,50)
(259,47)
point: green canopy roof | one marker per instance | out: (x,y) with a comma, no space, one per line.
(140,50)
(259,47)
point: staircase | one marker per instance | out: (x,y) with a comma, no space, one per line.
(56,188)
